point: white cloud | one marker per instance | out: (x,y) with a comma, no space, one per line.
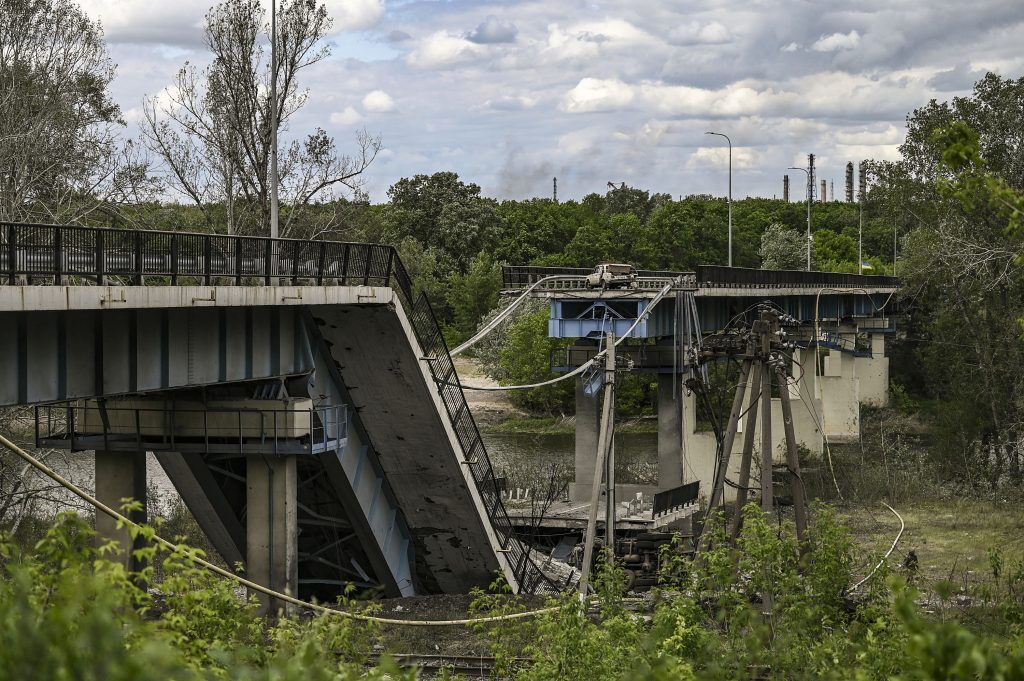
(587,40)
(697,33)
(743,158)
(442,49)
(378,101)
(594,94)
(143,21)
(355,15)
(790,47)
(507,103)
(349,116)
(836,42)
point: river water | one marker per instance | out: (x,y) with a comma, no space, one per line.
(525,460)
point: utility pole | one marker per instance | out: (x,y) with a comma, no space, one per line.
(604,443)
(863,181)
(764,328)
(792,455)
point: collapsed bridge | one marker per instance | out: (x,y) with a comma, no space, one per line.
(300,398)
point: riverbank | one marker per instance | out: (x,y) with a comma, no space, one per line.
(495,413)
(555,425)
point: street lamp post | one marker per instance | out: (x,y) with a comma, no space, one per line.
(808,190)
(274,207)
(730,188)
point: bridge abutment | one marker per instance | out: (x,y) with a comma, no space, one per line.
(120,476)
(271,524)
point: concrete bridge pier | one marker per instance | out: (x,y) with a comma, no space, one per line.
(272,558)
(120,476)
(588,424)
(671,454)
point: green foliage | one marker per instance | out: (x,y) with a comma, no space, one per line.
(525,358)
(783,248)
(442,213)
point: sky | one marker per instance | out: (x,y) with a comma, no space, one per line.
(510,94)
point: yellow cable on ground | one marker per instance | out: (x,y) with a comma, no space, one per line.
(56,477)
(888,553)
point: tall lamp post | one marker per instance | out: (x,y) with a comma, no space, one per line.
(808,190)
(730,188)
(274,208)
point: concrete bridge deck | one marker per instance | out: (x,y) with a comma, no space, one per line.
(120,320)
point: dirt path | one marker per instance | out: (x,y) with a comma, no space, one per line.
(489,407)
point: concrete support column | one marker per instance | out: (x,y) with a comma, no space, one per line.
(119,476)
(271,527)
(670,431)
(840,396)
(873,373)
(588,423)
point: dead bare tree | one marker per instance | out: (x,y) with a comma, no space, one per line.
(61,157)
(211,129)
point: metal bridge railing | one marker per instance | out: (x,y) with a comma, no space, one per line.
(61,254)
(719,275)
(474,454)
(515,277)
(89,424)
(69,254)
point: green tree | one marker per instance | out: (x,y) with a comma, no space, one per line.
(474,294)
(213,132)
(783,248)
(444,213)
(60,155)
(525,358)
(835,252)
(964,272)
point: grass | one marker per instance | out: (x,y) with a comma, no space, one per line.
(951,537)
(556,425)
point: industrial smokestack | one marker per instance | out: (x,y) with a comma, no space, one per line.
(785,188)
(863,180)
(810,176)
(824,191)
(554,189)
(849,182)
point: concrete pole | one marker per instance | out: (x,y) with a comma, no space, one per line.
(603,445)
(767,492)
(793,459)
(609,509)
(120,475)
(748,448)
(730,435)
(587,423)
(272,527)
(670,433)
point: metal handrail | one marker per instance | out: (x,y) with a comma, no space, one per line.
(303,430)
(90,255)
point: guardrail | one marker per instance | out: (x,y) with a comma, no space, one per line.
(515,277)
(62,254)
(719,275)
(89,425)
(442,368)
